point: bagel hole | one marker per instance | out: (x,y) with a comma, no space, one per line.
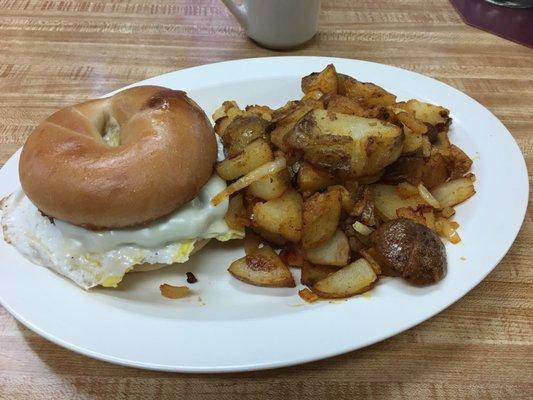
(111,132)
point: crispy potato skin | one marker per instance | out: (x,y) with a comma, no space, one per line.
(341,295)
(252,156)
(242,131)
(411,250)
(281,216)
(431,171)
(382,151)
(262,268)
(346,144)
(354,278)
(458,162)
(310,179)
(348,183)
(321,213)
(325,81)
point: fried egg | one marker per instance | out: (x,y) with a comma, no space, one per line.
(92,258)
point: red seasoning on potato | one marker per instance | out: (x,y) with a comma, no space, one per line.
(358,168)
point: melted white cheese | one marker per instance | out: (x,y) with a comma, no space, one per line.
(196,219)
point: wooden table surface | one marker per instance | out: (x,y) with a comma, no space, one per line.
(53,53)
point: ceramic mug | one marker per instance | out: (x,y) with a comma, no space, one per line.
(278,24)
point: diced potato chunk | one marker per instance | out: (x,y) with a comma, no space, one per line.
(387,201)
(431,171)
(413,142)
(370,255)
(321,214)
(282,216)
(458,162)
(310,179)
(335,251)
(412,123)
(325,81)
(346,199)
(386,99)
(254,155)
(286,125)
(426,112)
(370,93)
(355,278)
(270,187)
(242,131)
(263,268)
(347,105)
(348,144)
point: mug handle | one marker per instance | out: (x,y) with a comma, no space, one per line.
(239,12)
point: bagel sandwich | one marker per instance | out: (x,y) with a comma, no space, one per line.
(117,184)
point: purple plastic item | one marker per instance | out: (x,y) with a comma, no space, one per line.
(511,23)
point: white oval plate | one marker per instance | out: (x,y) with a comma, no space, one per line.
(229,326)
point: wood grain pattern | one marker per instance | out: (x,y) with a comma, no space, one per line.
(56,52)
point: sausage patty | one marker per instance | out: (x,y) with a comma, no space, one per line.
(410,250)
